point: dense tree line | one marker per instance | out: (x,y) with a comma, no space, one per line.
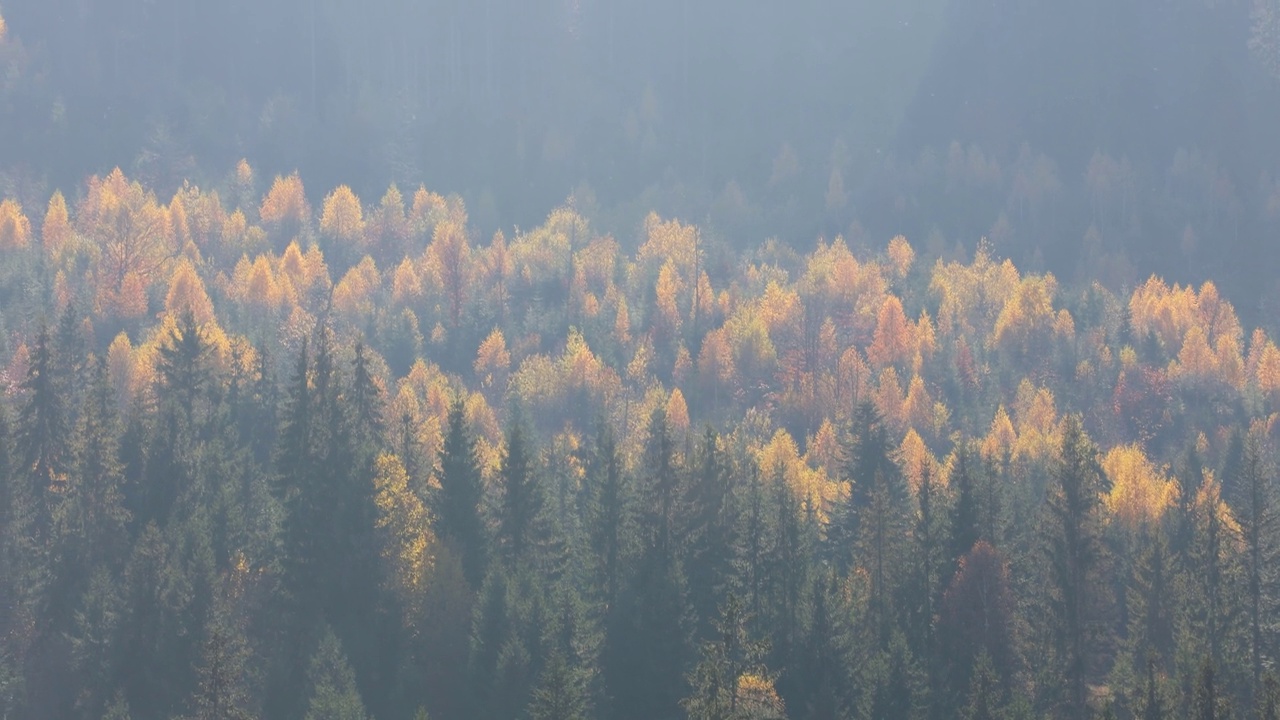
(260,460)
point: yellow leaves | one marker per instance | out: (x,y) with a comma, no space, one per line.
(998,445)
(1208,504)
(187,294)
(493,362)
(121,368)
(889,399)
(901,256)
(915,460)
(449,260)
(1196,361)
(666,294)
(1267,371)
(715,359)
(668,241)
(780,455)
(4,29)
(353,296)
(244,173)
(134,242)
(56,233)
(286,203)
(757,698)
(677,413)
(402,517)
(1027,317)
(261,289)
(427,209)
(780,310)
(893,341)
(15,229)
(1139,493)
(342,218)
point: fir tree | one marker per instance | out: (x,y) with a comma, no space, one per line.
(457,503)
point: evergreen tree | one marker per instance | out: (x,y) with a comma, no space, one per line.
(869,468)
(521,496)
(1259,518)
(610,525)
(923,590)
(965,520)
(221,693)
(42,421)
(457,503)
(1207,703)
(1074,562)
(710,535)
(334,695)
(561,693)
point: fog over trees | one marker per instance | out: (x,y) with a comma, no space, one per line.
(617,360)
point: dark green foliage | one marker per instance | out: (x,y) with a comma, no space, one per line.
(1074,563)
(521,496)
(457,503)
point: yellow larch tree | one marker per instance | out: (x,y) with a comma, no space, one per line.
(493,363)
(285,208)
(894,341)
(449,261)
(407,539)
(1139,493)
(15,228)
(355,294)
(56,235)
(901,256)
(187,294)
(342,219)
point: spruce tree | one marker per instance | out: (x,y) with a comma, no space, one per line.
(334,695)
(1075,556)
(457,503)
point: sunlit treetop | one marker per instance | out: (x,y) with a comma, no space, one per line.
(15,229)
(1139,493)
(286,202)
(342,217)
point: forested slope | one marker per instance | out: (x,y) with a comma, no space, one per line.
(265,459)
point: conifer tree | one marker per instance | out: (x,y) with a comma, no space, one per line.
(1259,519)
(42,421)
(521,496)
(1075,554)
(457,503)
(334,695)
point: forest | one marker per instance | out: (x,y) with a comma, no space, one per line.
(377,447)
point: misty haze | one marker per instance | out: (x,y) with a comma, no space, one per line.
(622,360)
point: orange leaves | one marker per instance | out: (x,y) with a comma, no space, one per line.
(354,295)
(15,229)
(900,256)
(286,204)
(342,218)
(780,455)
(493,362)
(56,233)
(1139,493)
(449,260)
(187,294)
(1027,319)
(894,341)
(677,413)
(668,242)
(134,242)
